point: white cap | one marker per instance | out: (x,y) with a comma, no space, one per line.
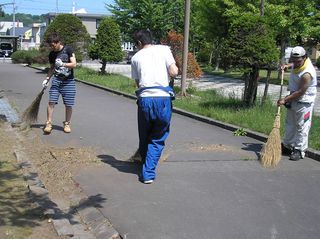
(298,51)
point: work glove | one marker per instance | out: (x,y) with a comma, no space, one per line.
(45,83)
(58,63)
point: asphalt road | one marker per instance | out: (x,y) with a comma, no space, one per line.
(209,186)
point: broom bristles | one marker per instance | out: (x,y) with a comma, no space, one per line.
(271,151)
(30,115)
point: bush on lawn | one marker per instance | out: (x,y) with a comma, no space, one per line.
(30,57)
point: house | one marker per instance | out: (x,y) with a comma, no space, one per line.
(37,32)
(6,26)
(19,31)
(90,21)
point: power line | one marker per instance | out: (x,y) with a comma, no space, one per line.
(43,7)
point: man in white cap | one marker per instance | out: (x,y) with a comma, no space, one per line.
(299,104)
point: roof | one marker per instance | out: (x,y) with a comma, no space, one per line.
(19,30)
(87,15)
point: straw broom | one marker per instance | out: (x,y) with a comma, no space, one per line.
(30,115)
(271,151)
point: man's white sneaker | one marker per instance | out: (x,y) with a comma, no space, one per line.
(148,181)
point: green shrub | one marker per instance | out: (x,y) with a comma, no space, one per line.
(72,33)
(18,57)
(30,57)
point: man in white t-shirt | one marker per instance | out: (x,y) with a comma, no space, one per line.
(152,67)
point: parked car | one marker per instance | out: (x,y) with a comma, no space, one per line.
(6,49)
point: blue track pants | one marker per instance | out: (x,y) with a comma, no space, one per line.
(154,115)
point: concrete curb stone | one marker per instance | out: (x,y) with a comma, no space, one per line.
(310,153)
(97,223)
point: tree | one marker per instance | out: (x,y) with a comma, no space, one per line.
(314,21)
(71,31)
(250,46)
(27,19)
(292,21)
(107,46)
(160,16)
(175,41)
(212,27)
(1,12)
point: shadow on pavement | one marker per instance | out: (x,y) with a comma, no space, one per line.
(92,201)
(253,147)
(41,126)
(122,166)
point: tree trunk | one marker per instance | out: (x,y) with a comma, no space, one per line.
(217,64)
(282,54)
(262,8)
(246,84)
(103,67)
(211,54)
(251,93)
(265,93)
(210,58)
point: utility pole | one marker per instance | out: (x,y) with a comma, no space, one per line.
(14,15)
(57,8)
(14,18)
(73,7)
(185,47)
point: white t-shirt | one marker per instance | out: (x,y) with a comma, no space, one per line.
(150,67)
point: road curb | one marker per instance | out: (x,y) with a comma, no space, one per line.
(310,153)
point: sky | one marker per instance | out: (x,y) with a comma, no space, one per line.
(38,7)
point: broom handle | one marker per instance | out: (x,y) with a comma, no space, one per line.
(281,87)
(43,89)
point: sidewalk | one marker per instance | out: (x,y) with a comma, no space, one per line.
(209,185)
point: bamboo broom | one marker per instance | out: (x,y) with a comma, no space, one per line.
(271,151)
(30,115)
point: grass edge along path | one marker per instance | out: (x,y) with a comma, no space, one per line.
(228,110)
(210,104)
